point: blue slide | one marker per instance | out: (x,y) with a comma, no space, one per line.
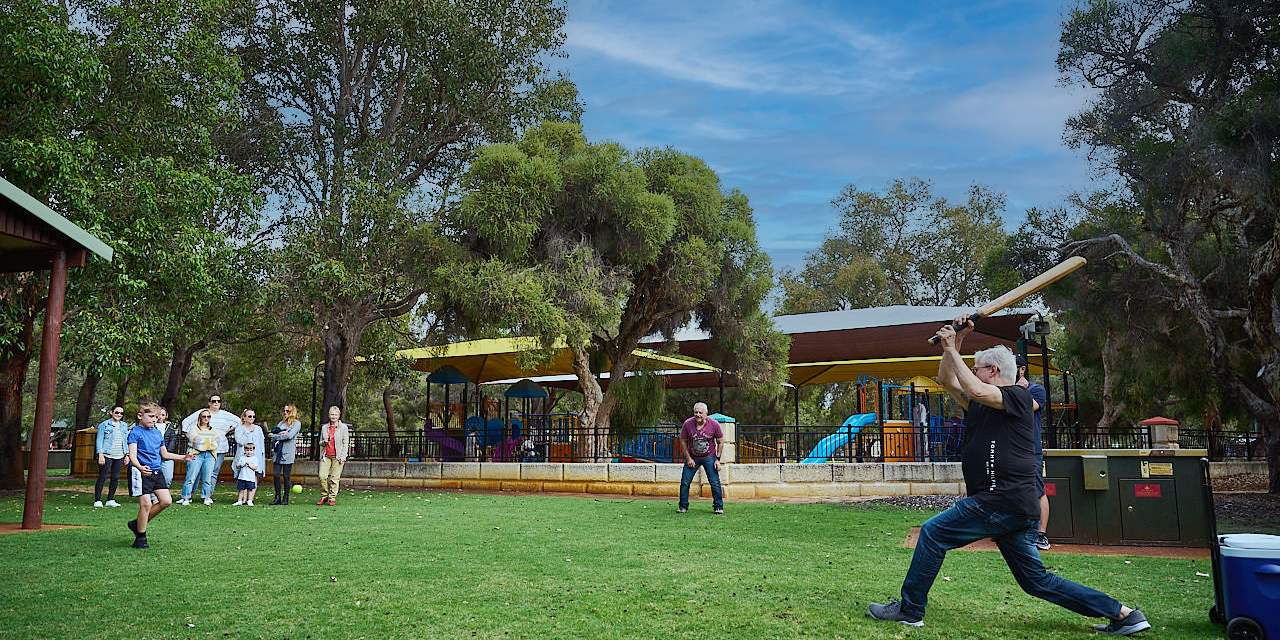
(852,425)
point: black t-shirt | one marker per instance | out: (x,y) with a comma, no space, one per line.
(998,454)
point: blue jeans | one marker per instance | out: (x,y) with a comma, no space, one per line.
(968,521)
(201,467)
(217,468)
(708,465)
(166,470)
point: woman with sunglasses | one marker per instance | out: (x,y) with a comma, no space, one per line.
(284,450)
(247,432)
(110,445)
(204,442)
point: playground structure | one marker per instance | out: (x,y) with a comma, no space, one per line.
(883,351)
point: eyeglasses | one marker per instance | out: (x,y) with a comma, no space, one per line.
(980,367)
(114,412)
(204,416)
(250,417)
(212,400)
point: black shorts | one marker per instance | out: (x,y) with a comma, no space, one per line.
(140,485)
(246,485)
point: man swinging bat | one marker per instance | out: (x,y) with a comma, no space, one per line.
(1003,503)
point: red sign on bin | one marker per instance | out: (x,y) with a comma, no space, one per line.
(1146,491)
(1050,489)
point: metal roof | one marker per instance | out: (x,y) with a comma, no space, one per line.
(24,202)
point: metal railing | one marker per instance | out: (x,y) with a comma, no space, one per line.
(549,440)
(555,440)
(1225,445)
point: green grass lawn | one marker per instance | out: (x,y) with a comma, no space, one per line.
(451,565)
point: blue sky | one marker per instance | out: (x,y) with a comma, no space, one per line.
(790,101)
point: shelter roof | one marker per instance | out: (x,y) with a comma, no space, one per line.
(30,231)
(898,331)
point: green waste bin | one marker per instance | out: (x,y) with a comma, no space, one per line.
(1126,497)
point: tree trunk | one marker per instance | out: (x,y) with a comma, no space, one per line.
(180,362)
(13,373)
(592,398)
(1112,409)
(84,399)
(339,357)
(122,391)
(391,415)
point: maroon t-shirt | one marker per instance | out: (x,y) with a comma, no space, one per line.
(700,442)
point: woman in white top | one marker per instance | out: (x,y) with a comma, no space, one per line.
(249,431)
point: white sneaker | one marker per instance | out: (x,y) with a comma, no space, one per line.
(97,503)
(208,501)
(185,501)
(249,503)
(237,503)
(112,503)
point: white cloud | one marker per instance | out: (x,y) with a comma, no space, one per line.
(1029,110)
(757,48)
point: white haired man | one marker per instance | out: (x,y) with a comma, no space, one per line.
(701,442)
(999,466)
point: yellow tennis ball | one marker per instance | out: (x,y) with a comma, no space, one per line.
(297,488)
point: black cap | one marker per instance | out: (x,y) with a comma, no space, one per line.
(1022,360)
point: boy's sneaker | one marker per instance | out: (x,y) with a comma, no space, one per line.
(1129,625)
(112,503)
(718,511)
(1042,542)
(140,542)
(97,503)
(208,501)
(133,526)
(892,612)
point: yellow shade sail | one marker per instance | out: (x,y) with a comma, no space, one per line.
(499,359)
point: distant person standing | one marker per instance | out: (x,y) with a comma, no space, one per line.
(174,442)
(335,439)
(701,442)
(222,422)
(1039,398)
(111,450)
(204,442)
(284,450)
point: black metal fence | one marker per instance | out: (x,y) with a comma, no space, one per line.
(559,440)
(538,441)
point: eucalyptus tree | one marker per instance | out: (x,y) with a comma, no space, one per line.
(382,106)
(603,247)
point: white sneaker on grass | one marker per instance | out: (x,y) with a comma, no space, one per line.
(237,503)
(112,503)
(249,503)
(97,503)
(185,501)
(208,501)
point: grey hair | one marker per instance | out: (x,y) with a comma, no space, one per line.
(1002,358)
(700,404)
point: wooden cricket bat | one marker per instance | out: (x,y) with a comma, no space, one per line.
(1022,291)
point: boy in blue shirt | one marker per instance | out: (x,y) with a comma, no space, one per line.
(146,482)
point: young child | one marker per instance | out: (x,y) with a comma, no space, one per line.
(246,469)
(146,481)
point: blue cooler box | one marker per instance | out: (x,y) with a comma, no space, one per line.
(1251,584)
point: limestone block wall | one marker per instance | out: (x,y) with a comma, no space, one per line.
(647,479)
